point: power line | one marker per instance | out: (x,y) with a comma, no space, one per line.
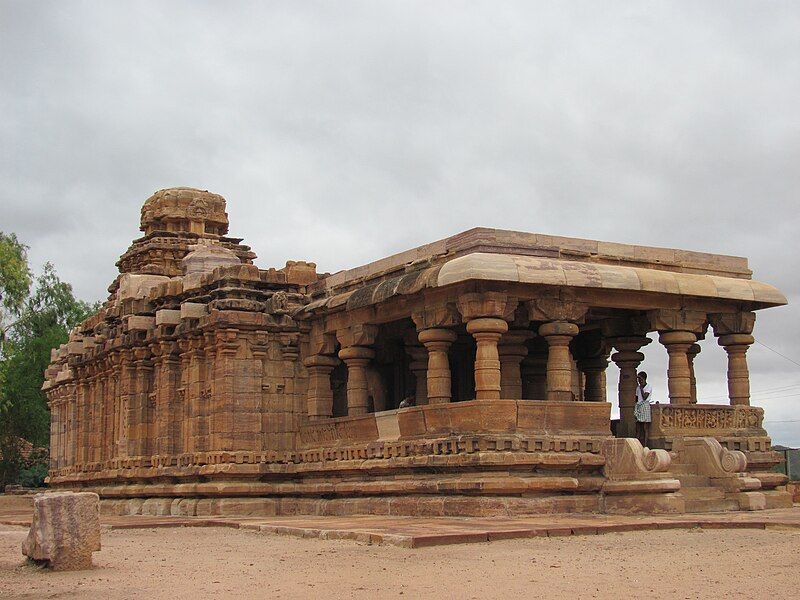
(778,353)
(761,392)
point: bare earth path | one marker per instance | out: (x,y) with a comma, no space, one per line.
(215,562)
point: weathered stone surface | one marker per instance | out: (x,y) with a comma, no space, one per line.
(65,530)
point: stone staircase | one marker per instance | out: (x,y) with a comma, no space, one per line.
(713,479)
(699,494)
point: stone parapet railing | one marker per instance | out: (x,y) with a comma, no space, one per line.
(474,417)
(725,423)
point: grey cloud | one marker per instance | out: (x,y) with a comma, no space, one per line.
(341,132)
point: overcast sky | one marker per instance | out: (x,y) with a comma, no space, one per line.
(341,132)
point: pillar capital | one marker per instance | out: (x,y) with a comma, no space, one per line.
(629,343)
(677,339)
(351,354)
(732,323)
(321,360)
(428,337)
(436,316)
(486,304)
(557,309)
(361,334)
(322,343)
(666,319)
(558,329)
(735,339)
(487,325)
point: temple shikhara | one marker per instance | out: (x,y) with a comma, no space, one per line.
(208,386)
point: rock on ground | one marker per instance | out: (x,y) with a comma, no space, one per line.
(65,530)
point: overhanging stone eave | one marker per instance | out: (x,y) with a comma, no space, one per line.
(511,268)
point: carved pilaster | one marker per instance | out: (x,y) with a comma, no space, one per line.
(320,393)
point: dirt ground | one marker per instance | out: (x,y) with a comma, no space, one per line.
(196,563)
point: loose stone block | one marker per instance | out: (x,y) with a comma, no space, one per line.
(65,530)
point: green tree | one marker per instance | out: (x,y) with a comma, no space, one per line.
(15,280)
(41,322)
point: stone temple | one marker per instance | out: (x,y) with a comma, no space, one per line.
(208,386)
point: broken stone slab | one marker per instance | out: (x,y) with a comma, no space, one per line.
(65,530)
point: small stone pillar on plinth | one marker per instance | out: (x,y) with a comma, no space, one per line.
(734,334)
(484,314)
(437,342)
(512,351)
(560,317)
(357,354)
(678,331)
(418,367)
(559,361)
(627,358)
(677,344)
(594,369)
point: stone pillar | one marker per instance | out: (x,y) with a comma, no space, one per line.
(487,332)
(433,323)
(734,334)
(677,344)
(437,343)
(534,376)
(627,358)
(356,354)
(486,315)
(736,345)
(419,368)
(559,361)
(694,350)
(594,370)
(320,394)
(678,331)
(512,351)
(357,358)
(560,316)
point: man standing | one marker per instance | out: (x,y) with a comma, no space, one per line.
(644,395)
